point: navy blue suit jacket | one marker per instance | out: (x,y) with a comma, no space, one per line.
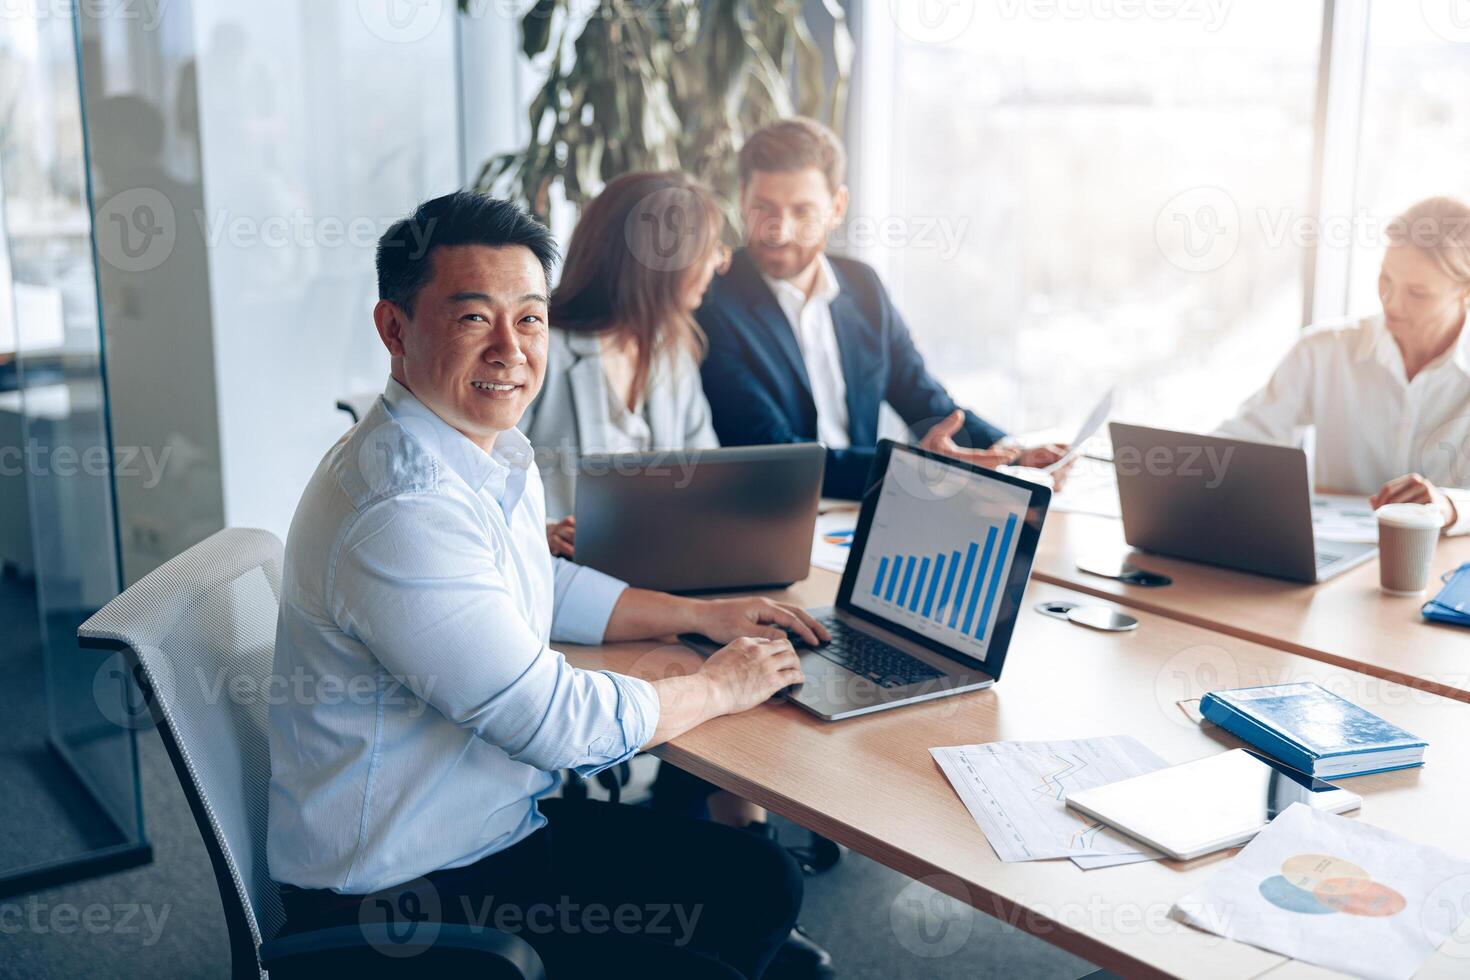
(756,381)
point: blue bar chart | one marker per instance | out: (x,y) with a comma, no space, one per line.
(939,552)
(958,590)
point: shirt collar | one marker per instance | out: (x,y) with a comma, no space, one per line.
(1379,345)
(501,471)
(824,289)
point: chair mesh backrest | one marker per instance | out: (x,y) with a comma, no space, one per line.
(203,626)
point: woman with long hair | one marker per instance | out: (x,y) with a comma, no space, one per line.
(622,372)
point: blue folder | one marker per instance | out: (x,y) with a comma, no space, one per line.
(1452,604)
(1313,730)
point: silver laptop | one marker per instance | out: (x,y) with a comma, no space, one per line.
(700,520)
(1244,505)
(940,557)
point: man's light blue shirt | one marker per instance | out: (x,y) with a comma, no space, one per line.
(424,713)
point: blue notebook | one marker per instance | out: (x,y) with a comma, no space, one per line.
(1452,605)
(1313,730)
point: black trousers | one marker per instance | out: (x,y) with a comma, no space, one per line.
(605,890)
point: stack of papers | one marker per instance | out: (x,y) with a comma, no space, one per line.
(1336,517)
(1335,892)
(1016,791)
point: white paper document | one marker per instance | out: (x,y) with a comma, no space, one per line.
(1016,791)
(1335,892)
(832,540)
(1094,421)
(1336,517)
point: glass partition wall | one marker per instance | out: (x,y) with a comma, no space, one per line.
(71,805)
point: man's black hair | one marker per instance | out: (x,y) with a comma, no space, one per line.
(460,218)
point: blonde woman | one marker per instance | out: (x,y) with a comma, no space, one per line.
(1388,395)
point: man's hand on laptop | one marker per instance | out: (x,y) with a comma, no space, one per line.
(735,678)
(724,620)
(748,671)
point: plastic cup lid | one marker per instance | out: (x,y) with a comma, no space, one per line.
(1410,515)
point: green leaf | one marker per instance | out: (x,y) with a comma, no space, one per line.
(536,26)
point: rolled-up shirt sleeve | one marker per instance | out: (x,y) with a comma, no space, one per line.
(416,585)
(584,601)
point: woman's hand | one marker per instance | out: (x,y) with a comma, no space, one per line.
(562,537)
(1415,489)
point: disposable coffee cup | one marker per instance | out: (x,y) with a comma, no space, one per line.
(1407,535)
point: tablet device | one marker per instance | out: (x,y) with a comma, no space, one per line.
(1207,805)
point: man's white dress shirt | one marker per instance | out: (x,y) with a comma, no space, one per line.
(425,713)
(816,335)
(1346,381)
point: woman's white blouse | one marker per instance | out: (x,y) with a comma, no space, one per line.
(1346,382)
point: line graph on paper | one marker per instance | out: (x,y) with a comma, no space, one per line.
(1016,791)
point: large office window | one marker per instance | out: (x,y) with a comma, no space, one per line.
(1064,198)
(1415,133)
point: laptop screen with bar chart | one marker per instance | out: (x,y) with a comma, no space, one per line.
(942,553)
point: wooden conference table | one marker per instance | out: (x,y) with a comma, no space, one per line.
(870,783)
(1345,621)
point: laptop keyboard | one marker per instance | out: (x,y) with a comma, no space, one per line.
(1325,558)
(870,657)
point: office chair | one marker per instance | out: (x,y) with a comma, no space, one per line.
(206,616)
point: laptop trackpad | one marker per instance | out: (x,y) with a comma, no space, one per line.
(831,684)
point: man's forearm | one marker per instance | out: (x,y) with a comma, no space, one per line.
(683,703)
(642,614)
